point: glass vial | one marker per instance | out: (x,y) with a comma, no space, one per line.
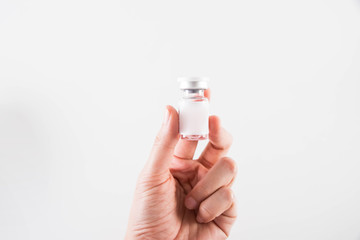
(193,109)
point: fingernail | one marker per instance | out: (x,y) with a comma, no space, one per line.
(190,203)
(166,116)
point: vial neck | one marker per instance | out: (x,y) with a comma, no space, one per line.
(193,93)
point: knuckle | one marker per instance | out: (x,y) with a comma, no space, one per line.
(158,139)
(230,164)
(227,194)
(229,141)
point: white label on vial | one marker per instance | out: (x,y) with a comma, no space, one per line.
(194,117)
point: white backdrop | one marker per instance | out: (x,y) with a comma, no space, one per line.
(83,86)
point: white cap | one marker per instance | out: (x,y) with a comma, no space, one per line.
(193,82)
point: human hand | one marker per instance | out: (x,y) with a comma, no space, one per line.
(180,198)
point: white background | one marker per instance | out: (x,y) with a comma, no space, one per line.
(83,86)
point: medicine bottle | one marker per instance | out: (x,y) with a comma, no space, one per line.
(193,108)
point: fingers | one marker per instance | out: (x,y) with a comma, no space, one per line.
(221,174)
(185,149)
(226,220)
(215,205)
(165,141)
(219,143)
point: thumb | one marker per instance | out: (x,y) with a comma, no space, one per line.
(164,144)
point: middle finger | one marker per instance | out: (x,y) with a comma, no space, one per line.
(221,174)
(220,141)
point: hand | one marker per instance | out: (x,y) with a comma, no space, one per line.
(180,198)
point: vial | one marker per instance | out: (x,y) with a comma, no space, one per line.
(193,108)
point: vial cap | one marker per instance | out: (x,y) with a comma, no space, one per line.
(193,82)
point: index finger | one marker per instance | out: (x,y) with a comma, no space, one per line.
(219,144)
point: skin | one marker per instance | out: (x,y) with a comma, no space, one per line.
(177,197)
